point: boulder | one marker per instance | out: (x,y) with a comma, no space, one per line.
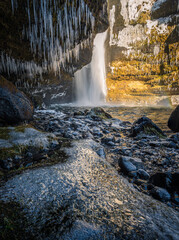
(98,113)
(127,167)
(142,174)
(166,180)
(173,122)
(160,194)
(16,142)
(145,126)
(15,106)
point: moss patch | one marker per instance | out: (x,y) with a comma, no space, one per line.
(11,152)
(13,222)
(38,159)
(4,133)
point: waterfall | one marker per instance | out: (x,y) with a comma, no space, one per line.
(90,81)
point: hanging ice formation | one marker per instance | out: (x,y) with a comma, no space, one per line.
(56,42)
(90,81)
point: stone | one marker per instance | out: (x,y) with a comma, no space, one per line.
(108,139)
(166,180)
(101,152)
(160,194)
(126,166)
(15,106)
(173,122)
(110,143)
(135,161)
(143,174)
(174,138)
(97,132)
(144,125)
(98,113)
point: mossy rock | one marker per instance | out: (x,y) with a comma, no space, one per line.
(98,112)
(145,125)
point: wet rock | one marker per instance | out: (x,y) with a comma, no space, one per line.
(169,144)
(101,152)
(108,139)
(97,132)
(173,122)
(136,162)
(126,166)
(160,194)
(155,144)
(166,180)
(174,138)
(78,113)
(110,143)
(145,126)
(142,174)
(98,113)
(18,142)
(15,106)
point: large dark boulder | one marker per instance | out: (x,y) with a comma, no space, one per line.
(173,122)
(164,8)
(168,181)
(144,125)
(15,106)
(98,113)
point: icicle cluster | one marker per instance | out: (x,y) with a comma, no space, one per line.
(14,5)
(54,32)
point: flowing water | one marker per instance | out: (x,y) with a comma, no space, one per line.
(90,81)
(159,115)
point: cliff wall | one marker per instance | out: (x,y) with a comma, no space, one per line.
(42,44)
(143,51)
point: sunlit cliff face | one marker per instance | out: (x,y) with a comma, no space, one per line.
(143,53)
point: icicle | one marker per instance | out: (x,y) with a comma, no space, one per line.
(44,35)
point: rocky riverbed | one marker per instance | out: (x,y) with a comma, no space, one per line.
(95,179)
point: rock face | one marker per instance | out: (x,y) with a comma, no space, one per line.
(14,105)
(42,44)
(164,8)
(142,55)
(173,122)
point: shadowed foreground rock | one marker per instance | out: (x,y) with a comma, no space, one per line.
(173,122)
(14,105)
(145,126)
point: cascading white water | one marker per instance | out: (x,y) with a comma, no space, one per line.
(90,81)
